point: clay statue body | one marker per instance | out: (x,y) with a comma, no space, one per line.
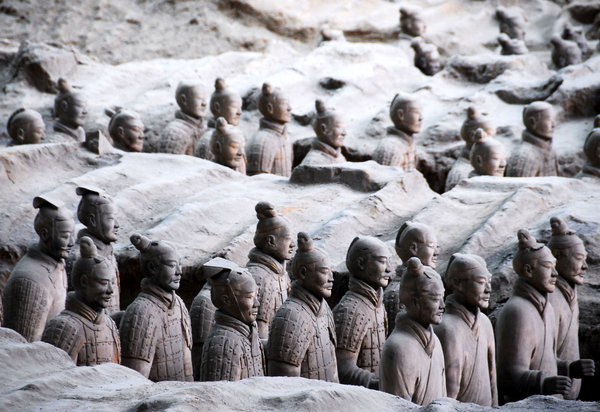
(26,126)
(269,150)
(84,330)
(360,319)
(267,263)
(411,22)
(398,147)
(126,129)
(564,52)
(488,156)
(70,110)
(466,334)
(331,131)
(570,254)
(427,58)
(526,332)
(576,34)
(202,315)
(462,167)
(511,46)
(37,286)
(413,240)
(184,132)
(591,149)
(233,349)
(412,360)
(511,22)
(228,146)
(302,336)
(534,156)
(98,213)
(156,336)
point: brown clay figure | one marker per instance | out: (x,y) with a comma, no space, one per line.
(564,52)
(37,286)
(202,315)
(84,330)
(570,254)
(462,167)
(184,132)
(411,22)
(331,131)
(398,147)
(228,146)
(155,330)
(591,149)
(274,246)
(226,103)
(427,58)
(233,349)
(466,334)
(26,126)
(534,156)
(360,319)
(302,336)
(511,46)
(526,333)
(98,213)
(576,34)
(413,240)
(70,110)
(412,360)
(511,22)
(270,149)
(126,129)
(488,156)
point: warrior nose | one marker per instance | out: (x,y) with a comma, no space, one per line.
(110,290)
(584,266)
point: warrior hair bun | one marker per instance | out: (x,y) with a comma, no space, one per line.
(559,227)
(87,248)
(597,121)
(220,84)
(526,241)
(416,43)
(221,124)
(320,106)
(472,113)
(112,111)
(265,210)
(267,88)
(479,135)
(63,85)
(305,243)
(415,267)
(40,202)
(140,242)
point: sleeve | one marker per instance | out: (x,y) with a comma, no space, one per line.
(173,139)
(265,296)
(521,163)
(289,336)
(63,333)
(138,332)
(453,354)
(221,359)
(351,324)
(260,155)
(492,364)
(394,371)
(26,306)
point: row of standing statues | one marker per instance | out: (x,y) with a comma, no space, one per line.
(410,332)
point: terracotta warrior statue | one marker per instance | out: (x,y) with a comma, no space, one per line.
(360,318)
(462,167)
(267,263)
(570,256)
(26,126)
(302,336)
(413,240)
(411,22)
(155,330)
(412,360)
(511,22)
(126,129)
(526,333)
(534,156)
(228,146)
(84,330)
(326,148)
(565,52)
(576,34)
(270,149)
(226,103)
(37,286)
(70,110)
(488,156)
(427,58)
(233,349)
(466,334)
(202,315)
(510,46)
(591,149)
(184,132)
(98,213)
(398,147)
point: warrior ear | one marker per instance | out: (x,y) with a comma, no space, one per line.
(269,108)
(218,146)
(20,133)
(323,127)
(301,275)
(217,106)
(152,268)
(271,240)
(44,234)
(183,99)
(479,161)
(528,270)
(92,220)
(413,248)
(120,132)
(64,105)
(360,262)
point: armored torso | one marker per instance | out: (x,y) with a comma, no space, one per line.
(89,337)
(232,351)
(391,298)
(533,157)
(303,334)
(397,149)
(181,134)
(156,328)
(202,314)
(460,169)
(269,150)
(322,154)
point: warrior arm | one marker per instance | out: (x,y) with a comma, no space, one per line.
(350,373)
(263,328)
(392,372)
(277,368)
(26,307)
(452,359)
(140,365)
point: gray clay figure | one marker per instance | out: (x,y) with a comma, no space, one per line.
(488,156)
(70,111)
(228,146)
(126,129)
(26,126)
(331,131)
(591,149)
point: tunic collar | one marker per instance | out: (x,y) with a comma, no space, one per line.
(151,288)
(258,256)
(540,142)
(402,135)
(75,305)
(567,290)
(46,261)
(194,121)
(299,292)
(526,291)
(364,289)
(324,147)
(422,335)
(104,249)
(454,307)
(276,127)
(248,331)
(78,133)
